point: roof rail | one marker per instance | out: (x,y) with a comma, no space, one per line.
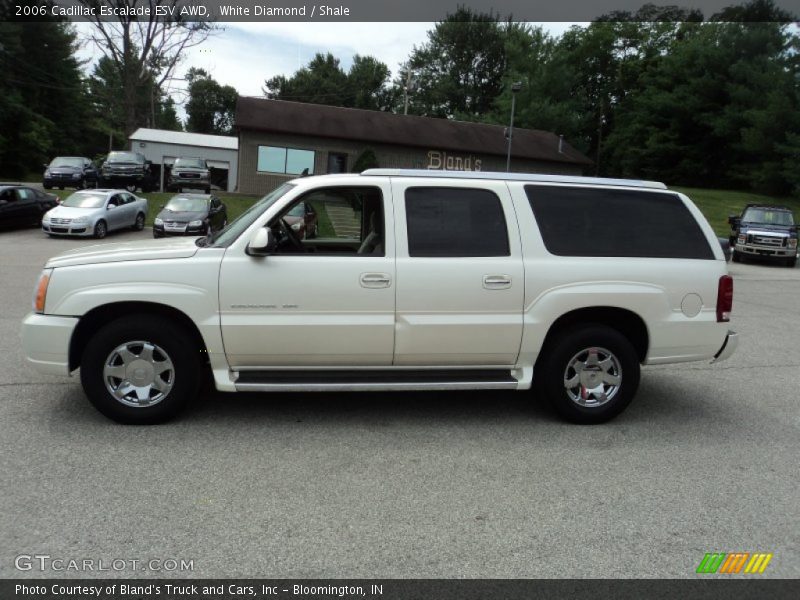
(530,177)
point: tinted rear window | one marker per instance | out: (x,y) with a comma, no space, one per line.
(610,222)
(455,222)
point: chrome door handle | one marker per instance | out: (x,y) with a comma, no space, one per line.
(375,280)
(497,282)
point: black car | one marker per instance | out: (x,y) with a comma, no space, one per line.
(766,232)
(23,205)
(128,170)
(70,171)
(191,173)
(190,214)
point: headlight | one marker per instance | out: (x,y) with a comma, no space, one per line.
(297,226)
(80,220)
(197,223)
(46,172)
(742,238)
(76,175)
(792,243)
(46,217)
(40,292)
(158,221)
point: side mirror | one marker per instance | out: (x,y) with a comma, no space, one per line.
(262,243)
(110,206)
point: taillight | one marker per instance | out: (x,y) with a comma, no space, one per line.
(724,299)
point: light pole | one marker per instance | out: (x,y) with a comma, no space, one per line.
(515,87)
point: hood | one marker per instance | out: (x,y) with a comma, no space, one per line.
(748,227)
(65,169)
(182,215)
(71,212)
(141,250)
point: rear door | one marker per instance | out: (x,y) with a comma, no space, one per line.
(460,279)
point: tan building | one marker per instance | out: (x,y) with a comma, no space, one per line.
(278,140)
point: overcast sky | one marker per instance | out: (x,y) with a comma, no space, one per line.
(245,54)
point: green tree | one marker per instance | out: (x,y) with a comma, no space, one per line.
(211,106)
(459,71)
(42,107)
(324,81)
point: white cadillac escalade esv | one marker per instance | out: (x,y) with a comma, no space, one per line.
(416,280)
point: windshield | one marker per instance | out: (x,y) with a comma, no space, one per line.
(768,217)
(182,203)
(193,163)
(67,161)
(85,201)
(124,157)
(236,227)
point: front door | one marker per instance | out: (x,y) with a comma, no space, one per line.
(460,278)
(327,301)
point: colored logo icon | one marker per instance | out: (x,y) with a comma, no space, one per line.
(733,563)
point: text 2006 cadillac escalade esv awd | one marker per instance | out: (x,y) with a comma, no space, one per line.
(417,280)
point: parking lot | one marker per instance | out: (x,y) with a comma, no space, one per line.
(482,484)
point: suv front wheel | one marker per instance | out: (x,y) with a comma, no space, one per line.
(589,374)
(140,369)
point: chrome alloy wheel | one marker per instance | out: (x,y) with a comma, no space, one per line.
(138,374)
(592,377)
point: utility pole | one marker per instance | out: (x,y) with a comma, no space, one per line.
(515,87)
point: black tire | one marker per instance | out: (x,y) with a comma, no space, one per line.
(791,262)
(208,190)
(581,404)
(138,225)
(736,257)
(166,340)
(61,187)
(47,186)
(100,229)
(131,187)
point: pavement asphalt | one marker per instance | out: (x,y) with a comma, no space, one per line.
(423,485)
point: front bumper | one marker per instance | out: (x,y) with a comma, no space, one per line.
(766,251)
(71,229)
(65,180)
(45,341)
(728,347)
(159,231)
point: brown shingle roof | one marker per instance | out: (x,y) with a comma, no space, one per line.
(280,116)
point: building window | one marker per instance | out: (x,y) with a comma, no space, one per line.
(337,162)
(272,159)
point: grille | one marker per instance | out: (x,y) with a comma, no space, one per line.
(188,175)
(764,240)
(61,221)
(175,223)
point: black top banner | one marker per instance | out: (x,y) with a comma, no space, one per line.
(365,10)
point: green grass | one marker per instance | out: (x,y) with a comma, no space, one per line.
(716,205)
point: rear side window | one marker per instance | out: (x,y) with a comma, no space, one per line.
(610,222)
(454,222)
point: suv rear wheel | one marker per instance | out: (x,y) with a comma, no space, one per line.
(589,374)
(140,369)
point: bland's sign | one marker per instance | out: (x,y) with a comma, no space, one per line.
(447,162)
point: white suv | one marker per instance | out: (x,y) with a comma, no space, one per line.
(417,280)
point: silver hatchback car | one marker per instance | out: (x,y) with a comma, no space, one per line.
(95,213)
